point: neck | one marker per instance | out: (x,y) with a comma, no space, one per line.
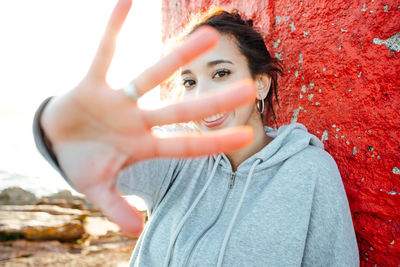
(260,141)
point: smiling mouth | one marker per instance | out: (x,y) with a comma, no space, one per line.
(215,120)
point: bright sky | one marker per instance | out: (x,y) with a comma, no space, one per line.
(46,47)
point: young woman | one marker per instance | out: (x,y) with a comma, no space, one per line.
(279,201)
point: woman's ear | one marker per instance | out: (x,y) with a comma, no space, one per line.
(263,84)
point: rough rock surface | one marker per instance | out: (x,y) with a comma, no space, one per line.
(16,196)
(87,237)
(41,222)
(66,199)
(341,79)
(105,251)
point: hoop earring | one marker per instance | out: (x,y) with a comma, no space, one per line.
(261,110)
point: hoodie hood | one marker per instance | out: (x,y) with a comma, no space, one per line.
(287,141)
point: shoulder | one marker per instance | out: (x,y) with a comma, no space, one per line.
(313,156)
(317,164)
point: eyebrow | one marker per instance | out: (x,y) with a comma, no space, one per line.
(218,61)
(210,64)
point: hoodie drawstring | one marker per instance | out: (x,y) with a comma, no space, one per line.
(229,230)
(182,222)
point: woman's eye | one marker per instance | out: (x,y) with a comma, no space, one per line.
(221,73)
(188,83)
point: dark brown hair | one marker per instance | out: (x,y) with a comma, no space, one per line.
(251,45)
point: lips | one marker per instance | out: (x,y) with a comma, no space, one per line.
(215,120)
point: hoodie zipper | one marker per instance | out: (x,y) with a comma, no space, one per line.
(231,184)
(233,176)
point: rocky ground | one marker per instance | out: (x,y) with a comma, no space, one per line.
(58,230)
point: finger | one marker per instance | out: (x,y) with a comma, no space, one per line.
(106,49)
(200,144)
(209,104)
(116,208)
(199,42)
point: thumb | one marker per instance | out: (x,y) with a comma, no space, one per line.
(116,208)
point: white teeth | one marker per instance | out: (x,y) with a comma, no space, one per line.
(214,117)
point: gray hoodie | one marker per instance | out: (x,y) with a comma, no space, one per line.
(284,206)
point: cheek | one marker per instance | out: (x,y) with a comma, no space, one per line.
(243,114)
(184,94)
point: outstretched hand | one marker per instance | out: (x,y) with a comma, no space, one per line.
(97,131)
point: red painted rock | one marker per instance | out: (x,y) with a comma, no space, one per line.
(341,79)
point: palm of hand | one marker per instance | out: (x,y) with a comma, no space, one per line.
(97,131)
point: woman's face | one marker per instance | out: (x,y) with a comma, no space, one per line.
(215,70)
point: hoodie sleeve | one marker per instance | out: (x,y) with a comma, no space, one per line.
(149,180)
(43,144)
(331,239)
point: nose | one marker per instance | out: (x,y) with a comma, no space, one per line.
(203,86)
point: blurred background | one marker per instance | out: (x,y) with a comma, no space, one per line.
(46,49)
